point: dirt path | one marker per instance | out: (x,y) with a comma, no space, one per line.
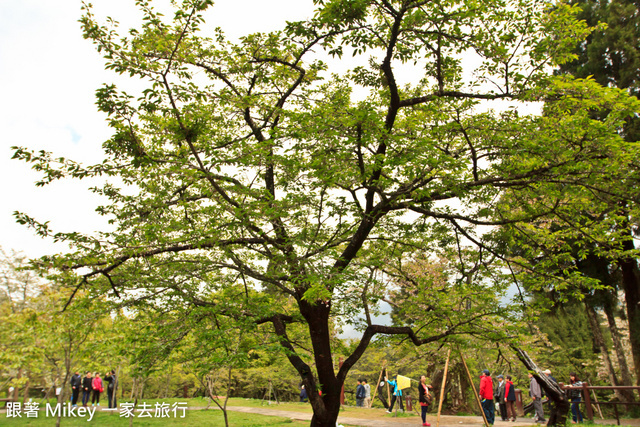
(445,420)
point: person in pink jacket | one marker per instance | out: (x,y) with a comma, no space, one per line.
(97,389)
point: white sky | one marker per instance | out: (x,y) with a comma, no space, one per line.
(48,76)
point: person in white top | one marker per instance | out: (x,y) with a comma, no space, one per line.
(367,394)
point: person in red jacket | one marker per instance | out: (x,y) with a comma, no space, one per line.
(486,396)
(510,398)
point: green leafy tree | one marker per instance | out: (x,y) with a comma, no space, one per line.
(61,336)
(250,167)
(19,357)
(612,56)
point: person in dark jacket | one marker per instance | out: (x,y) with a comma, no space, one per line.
(499,396)
(87,388)
(360,393)
(486,396)
(424,397)
(111,388)
(510,398)
(76,385)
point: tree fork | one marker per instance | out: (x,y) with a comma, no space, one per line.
(317,316)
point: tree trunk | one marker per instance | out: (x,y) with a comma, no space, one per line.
(631,286)
(329,417)
(326,407)
(15,390)
(133,388)
(62,398)
(560,406)
(168,384)
(25,396)
(619,350)
(598,341)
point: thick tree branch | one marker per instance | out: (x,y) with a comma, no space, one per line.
(451,94)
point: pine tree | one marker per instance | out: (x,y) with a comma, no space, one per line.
(611,55)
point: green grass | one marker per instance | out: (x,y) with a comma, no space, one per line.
(192,418)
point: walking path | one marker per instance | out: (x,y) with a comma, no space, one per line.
(387,421)
(445,420)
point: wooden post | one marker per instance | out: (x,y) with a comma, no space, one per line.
(587,401)
(475,393)
(388,392)
(384,363)
(444,383)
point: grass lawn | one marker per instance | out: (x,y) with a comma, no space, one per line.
(192,418)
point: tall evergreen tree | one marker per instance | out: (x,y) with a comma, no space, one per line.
(611,54)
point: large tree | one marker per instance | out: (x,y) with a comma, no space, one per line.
(251,167)
(611,54)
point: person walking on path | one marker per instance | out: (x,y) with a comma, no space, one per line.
(500,397)
(424,397)
(76,385)
(486,396)
(367,394)
(97,389)
(87,388)
(396,395)
(510,399)
(360,393)
(575,395)
(536,395)
(111,388)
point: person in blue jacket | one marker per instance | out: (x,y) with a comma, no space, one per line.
(360,393)
(396,395)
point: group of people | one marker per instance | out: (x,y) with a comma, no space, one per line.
(504,393)
(92,387)
(363,394)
